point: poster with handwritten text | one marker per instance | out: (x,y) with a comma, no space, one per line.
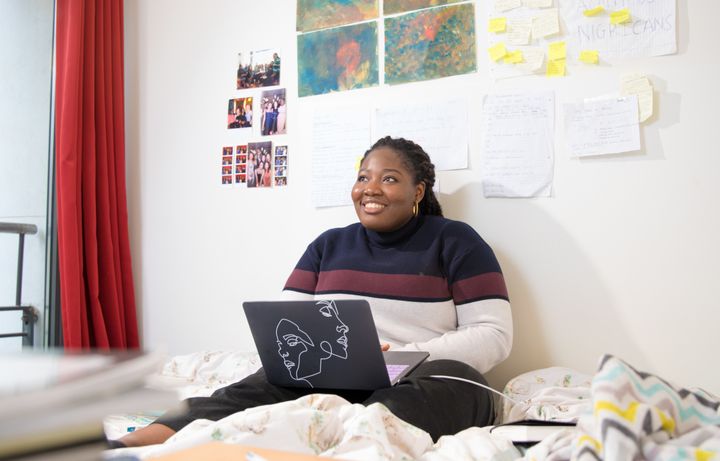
(650,29)
(517,159)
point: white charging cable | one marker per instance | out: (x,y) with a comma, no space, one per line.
(475,383)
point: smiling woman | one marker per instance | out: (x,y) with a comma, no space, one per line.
(432,283)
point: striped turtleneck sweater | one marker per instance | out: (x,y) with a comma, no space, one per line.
(433,285)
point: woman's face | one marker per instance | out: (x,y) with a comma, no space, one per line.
(385,191)
(337,343)
(292,344)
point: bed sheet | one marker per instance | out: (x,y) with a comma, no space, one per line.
(621,413)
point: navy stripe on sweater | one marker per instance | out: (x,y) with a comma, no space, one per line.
(430,259)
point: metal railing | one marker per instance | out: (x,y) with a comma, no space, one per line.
(29,316)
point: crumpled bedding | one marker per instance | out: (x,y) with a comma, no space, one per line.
(623,414)
(637,415)
(548,394)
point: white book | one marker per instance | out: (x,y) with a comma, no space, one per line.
(56,399)
(529,431)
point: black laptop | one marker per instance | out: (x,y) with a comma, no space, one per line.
(325,345)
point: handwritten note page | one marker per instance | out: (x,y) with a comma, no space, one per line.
(339,136)
(518,144)
(650,30)
(440,127)
(545,23)
(608,126)
(528,31)
(640,86)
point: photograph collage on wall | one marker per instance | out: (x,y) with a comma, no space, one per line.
(240,113)
(227,166)
(259,164)
(258,110)
(274,112)
(281,165)
(240,164)
(258,69)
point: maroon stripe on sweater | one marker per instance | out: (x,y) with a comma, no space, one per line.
(386,285)
(302,280)
(483,286)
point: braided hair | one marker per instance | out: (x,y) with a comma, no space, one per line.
(418,162)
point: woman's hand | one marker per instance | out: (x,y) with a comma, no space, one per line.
(385,347)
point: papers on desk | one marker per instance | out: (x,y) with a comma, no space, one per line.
(56,400)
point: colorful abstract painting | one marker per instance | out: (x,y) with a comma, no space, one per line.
(338,59)
(430,44)
(321,14)
(400,6)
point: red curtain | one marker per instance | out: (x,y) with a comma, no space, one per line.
(96,288)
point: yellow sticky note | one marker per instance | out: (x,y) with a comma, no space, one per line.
(594,11)
(358,161)
(497,51)
(497,25)
(620,16)
(514,57)
(556,50)
(555,68)
(590,56)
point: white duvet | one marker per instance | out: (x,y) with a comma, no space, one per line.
(328,425)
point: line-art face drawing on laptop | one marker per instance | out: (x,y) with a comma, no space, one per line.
(302,355)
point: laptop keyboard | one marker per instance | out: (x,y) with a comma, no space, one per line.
(394,370)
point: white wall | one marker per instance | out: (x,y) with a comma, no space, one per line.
(26,43)
(622,259)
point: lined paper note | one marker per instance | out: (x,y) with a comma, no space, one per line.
(608,126)
(647,28)
(538,3)
(440,128)
(339,136)
(640,86)
(518,144)
(545,23)
(532,61)
(505,5)
(518,31)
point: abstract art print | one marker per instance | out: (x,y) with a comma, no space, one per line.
(338,59)
(321,14)
(430,44)
(400,6)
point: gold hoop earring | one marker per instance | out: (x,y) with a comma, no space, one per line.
(415,209)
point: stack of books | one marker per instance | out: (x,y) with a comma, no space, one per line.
(52,404)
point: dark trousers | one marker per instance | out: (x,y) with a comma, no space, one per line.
(438,406)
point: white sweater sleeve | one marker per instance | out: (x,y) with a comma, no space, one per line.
(482,339)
